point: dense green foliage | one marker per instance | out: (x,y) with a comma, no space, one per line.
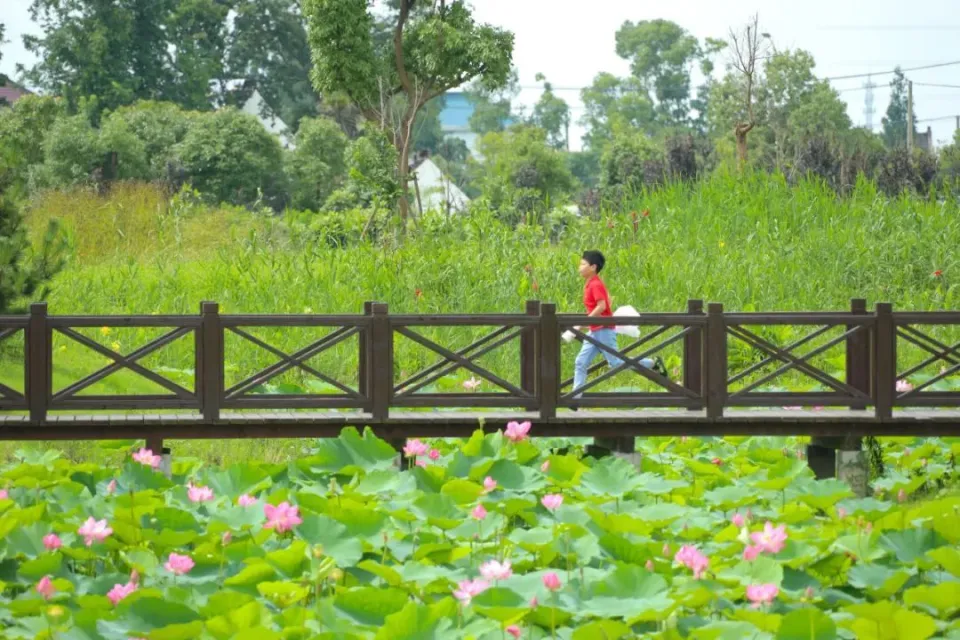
(484,537)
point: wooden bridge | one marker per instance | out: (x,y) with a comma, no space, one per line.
(705,398)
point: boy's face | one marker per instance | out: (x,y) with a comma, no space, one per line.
(586,269)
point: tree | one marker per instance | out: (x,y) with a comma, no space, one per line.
(157,126)
(552,114)
(950,164)
(612,102)
(661,55)
(631,161)
(748,49)
(123,50)
(230,157)
(432,50)
(520,173)
(22,274)
(268,47)
(22,129)
(492,107)
(895,122)
(316,165)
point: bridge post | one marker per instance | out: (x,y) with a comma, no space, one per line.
(39,365)
(693,353)
(548,370)
(210,366)
(716,360)
(885,361)
(528,351)
(363,359)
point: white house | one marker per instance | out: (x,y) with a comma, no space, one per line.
(434,190)
(257,106)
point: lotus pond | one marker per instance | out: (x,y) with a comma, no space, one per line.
(499,536)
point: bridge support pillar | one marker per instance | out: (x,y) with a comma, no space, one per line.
(402,462)
(620,447)
(842,458)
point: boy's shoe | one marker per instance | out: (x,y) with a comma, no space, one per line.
(660,367)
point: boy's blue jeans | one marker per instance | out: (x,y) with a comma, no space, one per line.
(589,351)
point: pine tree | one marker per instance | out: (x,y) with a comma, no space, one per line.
(895,122)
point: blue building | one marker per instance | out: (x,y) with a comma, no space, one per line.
(455,119)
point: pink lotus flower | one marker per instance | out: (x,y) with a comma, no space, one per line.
(420,463)
(841,513)
(901,496)
(4,495)
(649,565)
(737,520)
(471,384)
(545,466)
(904,386)
(178,564)
(111,487)
(478,513)
(771,539)
(52,542)
(717,461)
(514,630)
(808,593)
(762,593)
(691,558)
(282,517)
(121,591)
(199,494)
(552,581)
(496,571)
(517,431)
(489,484)
(45,588)
(434,454)
(226,538)
(751,552)
(94,531)
(534,603)
(415,447)
(147,458)
(246,500)
(666,549)
(469,589)
(551,501)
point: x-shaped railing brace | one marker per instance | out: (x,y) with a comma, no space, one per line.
(634,364)
(125,362)
(795,362)
(296,359)
(910,334)
(466,361)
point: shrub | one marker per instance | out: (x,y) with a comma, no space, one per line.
(229,157)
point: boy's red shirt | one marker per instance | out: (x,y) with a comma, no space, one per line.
(593,292)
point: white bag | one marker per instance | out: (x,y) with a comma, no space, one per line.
(629,330)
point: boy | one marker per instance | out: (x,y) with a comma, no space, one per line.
(597,301)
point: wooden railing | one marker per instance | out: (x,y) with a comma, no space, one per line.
(703,383)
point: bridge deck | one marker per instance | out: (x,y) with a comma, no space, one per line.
(599,423)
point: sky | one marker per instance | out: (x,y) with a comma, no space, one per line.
(570,41)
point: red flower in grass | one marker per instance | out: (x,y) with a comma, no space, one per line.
(938,273)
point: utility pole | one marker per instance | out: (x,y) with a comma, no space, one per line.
(910,116)
(958,123)
(868,109)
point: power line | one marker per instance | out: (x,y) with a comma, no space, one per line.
(891,27)
(886,73)
(933,84)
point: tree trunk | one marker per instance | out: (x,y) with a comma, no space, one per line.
(741,132)
(403,174)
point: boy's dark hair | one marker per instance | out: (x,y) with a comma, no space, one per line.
(595,258)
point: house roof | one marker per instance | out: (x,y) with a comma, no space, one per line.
(11,92)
